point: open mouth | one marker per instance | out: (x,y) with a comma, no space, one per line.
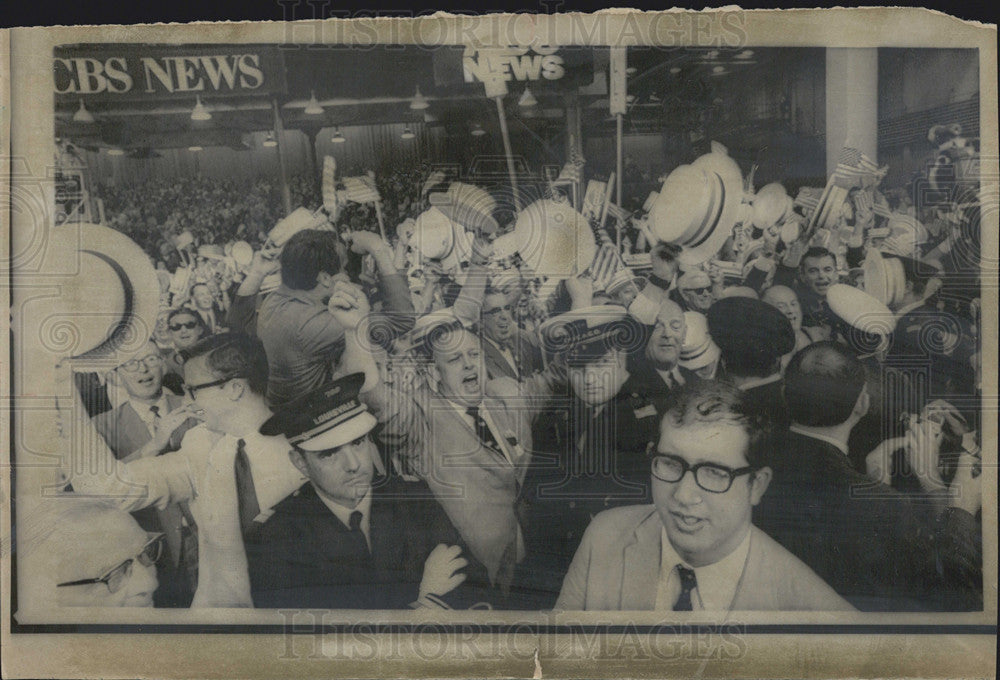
(145,382)
(687,523)
(471,382)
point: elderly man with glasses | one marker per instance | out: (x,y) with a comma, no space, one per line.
(229,473)
(508,351)
(694,548)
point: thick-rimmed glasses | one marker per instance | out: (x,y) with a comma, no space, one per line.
(193,389)
(117,577)
(708,476)
(151,362)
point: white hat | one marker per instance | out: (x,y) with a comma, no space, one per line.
(860,310)
(698,205)
(299,220)
(769,205)
(622,277)
(554,240)
(699,350)
(212,251)
(906,234)
(885,279)
(107,305)
(468,205)
(242,254)
(437,237)
(428,322)
(183,240)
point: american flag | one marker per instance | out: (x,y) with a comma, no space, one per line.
(361,189)
(808,199)
(617,212)
(853,167)
(573,170)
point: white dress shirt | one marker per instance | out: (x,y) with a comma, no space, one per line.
(344,513)
(142,409)
(717,582)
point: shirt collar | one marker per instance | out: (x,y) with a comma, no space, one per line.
(717,582)
(839,445)
(672,375)
(142,408)
(343,513)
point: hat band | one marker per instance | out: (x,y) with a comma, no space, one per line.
(708,225)
(356,410)
(697,351)
(118,336)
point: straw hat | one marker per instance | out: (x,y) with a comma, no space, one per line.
(107,304)
(770,205)
(699,350)
(212,252)
(698,205)
(183,240)
(860,310)
(885,279)
(299,220)
(468,205)
(242,254)
(554,240)
(436,237)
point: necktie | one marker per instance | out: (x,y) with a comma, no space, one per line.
(357,535)
(688,583)
(155,410)
(483,431)
(246,494)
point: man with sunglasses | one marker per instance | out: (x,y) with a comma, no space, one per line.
(508,351)
(696,290)
(695,548)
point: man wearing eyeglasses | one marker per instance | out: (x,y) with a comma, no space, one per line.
(696,291)
(508,351)
(151,421)
(230,474)
(695,548)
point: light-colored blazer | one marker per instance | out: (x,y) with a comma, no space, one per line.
(617,568)
(525,351)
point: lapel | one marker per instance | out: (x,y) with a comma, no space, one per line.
(497,365)
(641,565)
(130,430)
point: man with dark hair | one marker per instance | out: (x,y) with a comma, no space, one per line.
(695,547)
(304,341)
(344,542)
(874,546)
(752,337)
(228,472)
(809,271)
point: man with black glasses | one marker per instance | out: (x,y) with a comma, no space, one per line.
(228,472)
(694,548)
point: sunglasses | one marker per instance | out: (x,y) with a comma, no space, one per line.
(698,291)
(117,577)
(187,324)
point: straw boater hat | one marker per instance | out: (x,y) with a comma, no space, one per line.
(860,311)
(298,220)
(698,350)
(108,300)
(468,205)
(588,333)
(437,237)
(698,205)
(885,278)
(621,278)
(242,254)
(554,240)
(770,205)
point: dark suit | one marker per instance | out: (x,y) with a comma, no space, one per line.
(769,401)
(527,357)
(303,555)
(582,464)
(874,546)
(125,433)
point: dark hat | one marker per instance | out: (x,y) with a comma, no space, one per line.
(742,324)
(585,335)
(325,418)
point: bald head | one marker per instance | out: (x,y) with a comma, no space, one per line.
(785,301)
(667,338)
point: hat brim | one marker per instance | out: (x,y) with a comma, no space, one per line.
(729,173)
(140,288)
(343,433)
(860,310)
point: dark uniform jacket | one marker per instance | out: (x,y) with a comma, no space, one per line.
(875,547)
(303,555)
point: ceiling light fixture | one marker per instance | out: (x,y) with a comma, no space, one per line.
(200,112)
(407,133)
(116,152)
(338,138)
(527,98)
(195,148)
(82,115)
(313,108)
(269,141)
(419,102)
(477,130)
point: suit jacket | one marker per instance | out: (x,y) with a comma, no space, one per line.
(870,543)
(618,567)
(303,555)
(525,351)
(769,400)
(582,464)
(125,432)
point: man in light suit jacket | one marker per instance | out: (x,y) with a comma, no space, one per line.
(508,351)
(695,549)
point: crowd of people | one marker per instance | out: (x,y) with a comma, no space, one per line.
(344,422)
